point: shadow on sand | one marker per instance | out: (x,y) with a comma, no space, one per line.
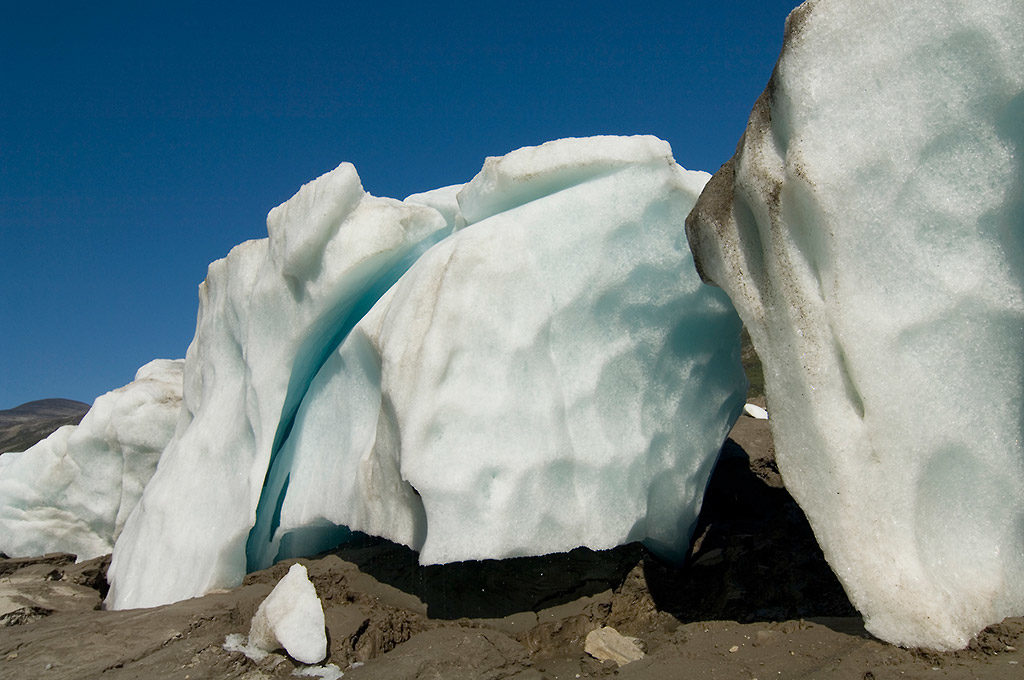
(754,558)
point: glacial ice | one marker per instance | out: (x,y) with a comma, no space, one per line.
(870,231)
(291,618)
(551,374)
(269,314)
(73,491)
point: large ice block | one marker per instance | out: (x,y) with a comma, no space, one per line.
(870,231)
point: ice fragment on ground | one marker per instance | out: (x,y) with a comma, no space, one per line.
(73,491)
(755,411)
(291,618)
(445,201)
(870,231)
(328,671)
(236,643)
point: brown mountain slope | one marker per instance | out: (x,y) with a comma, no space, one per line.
(24,425)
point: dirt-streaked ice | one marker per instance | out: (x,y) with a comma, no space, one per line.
(870,231)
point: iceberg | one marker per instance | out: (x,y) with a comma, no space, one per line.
(73,491)
(523,364)
(870,231)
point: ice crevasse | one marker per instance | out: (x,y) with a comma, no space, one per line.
(520,365)
(870,231)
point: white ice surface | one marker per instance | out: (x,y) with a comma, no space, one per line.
(872,239)
(269,313)
(73,491)
(552,374)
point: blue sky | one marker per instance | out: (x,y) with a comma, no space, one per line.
(140,141)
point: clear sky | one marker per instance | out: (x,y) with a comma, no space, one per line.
(139,141)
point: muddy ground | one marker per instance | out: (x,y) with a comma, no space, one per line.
(755,600)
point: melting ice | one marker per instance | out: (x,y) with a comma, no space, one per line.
(524,364)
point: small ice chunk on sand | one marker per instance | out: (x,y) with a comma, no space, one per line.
(755,411)
(291,617)
(326,672)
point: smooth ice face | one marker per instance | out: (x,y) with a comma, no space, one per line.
(73,491)
(269,315)
(870,231)
(552,375)
(291,618)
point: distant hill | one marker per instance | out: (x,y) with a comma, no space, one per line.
(24,425)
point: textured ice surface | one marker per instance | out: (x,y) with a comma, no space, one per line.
(870,231)
(291,618)
(552,374)
(269,314)
(73,491)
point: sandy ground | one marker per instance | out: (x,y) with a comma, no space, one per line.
(756,600)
